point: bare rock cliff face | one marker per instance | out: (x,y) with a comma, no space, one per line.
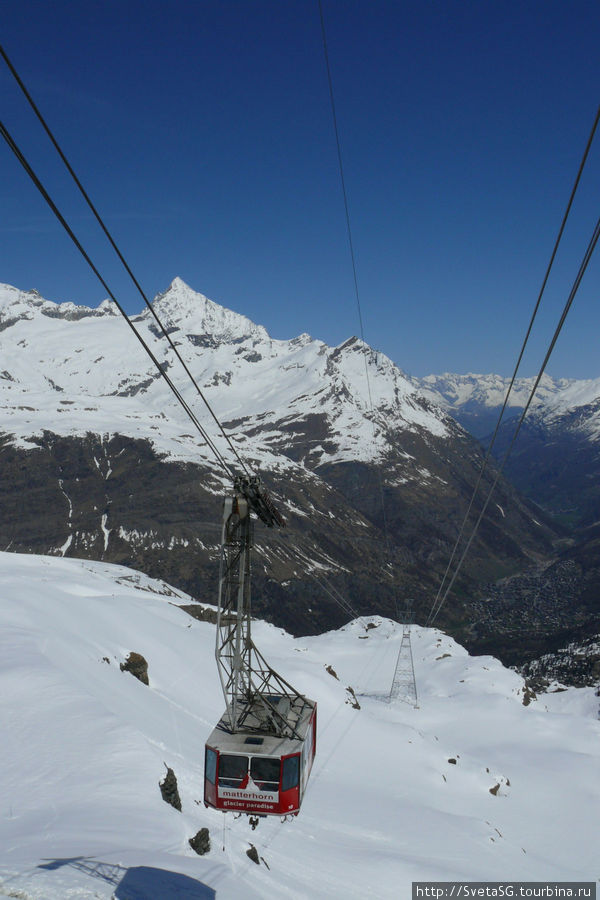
(164,518)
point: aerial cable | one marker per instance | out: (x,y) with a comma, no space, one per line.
(487,457)
(118,252)
(337,598)
(322,582)
(520,358)
(326,587)
(584,264)
(341,168)
(354,271)
(335,595)
(19,155)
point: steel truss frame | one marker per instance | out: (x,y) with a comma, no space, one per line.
(257,698)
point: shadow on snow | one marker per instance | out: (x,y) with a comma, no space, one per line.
(138,882)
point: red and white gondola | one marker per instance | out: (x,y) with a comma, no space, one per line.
(260,774)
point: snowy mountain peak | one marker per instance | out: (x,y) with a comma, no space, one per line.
(340,393)
(302,340)
(181,306)
(575,394)
(16,305)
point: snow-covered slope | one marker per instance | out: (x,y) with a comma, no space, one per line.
(73,370)
(576,409)
(397,794)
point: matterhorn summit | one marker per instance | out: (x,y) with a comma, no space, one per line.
(181,307)
(348,397)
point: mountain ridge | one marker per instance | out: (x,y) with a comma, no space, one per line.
(254,354)
(93,437)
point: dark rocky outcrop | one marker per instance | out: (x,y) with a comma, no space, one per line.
(170,791)
(252,853)
(202,613)
(351,698)
(137,665)
(576,663)
(200,843)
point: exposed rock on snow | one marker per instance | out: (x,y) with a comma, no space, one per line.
(351,698)
(169,790)
(200,843)
(252,853)
(137,665)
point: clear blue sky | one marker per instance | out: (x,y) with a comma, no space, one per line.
(203,132)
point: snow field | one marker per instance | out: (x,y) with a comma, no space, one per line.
(85,745)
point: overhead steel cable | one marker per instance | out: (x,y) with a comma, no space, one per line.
(29,170)
(322,581)
(340,600)
(354,273)
(340,164)
(100,221)
(304,558)
(520,358)
(582,268)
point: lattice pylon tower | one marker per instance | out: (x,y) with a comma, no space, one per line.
(404,685)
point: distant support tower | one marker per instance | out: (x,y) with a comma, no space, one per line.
(404,685)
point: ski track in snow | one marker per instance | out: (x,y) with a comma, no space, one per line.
(85,745)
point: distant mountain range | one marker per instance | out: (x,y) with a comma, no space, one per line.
(556,458)
(100,461)
(476,400)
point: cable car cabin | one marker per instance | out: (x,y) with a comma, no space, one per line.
(260,773)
